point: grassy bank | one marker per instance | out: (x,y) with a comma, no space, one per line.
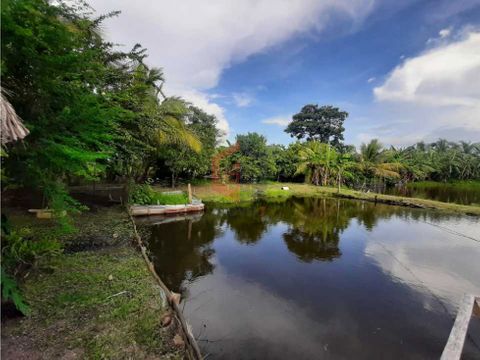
(97,300)
(238,193)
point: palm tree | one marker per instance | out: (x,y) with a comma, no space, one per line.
(171,127)
(447,157)
(343,163)
(164,121)
(441,145)
(156,124)
(373,161)
(316,161)
(156,79)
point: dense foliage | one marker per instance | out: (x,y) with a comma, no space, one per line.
(143,194)
(92,110)
(324,123)
(182,160)
(373,164)
(21,252)
(254,161)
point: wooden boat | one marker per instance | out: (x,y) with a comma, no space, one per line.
(142,210)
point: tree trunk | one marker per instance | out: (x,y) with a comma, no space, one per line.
(315,177)
(339,182)
(173,179)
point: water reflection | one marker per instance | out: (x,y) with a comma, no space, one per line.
(312,278)
(314,227)
(181,247)
(248,223)
(465,195)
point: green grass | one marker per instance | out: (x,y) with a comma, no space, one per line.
(105,305)
(101,304)
(277,193)
(169,199)
(272,191)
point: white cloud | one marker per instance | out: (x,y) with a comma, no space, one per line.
(370,80)
(426,264)
(242,99)
(205,102)
(446,75)
(434,94)
(445,32)
(194,41)
(281,121)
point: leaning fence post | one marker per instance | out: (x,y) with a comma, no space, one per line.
(189,193)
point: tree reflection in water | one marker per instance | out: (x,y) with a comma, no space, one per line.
(248,223)
(182,249)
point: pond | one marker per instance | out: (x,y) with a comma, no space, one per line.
(320,278)
(464,194)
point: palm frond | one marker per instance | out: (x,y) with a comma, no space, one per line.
(12,128)
(174,131)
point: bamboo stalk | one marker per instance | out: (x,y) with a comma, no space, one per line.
(193,351)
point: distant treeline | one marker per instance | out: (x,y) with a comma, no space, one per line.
(325,164)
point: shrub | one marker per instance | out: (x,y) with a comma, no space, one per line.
(141,194)
(20,252)
(10,291)
(144,195)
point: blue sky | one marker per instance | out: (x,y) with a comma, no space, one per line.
(405,71)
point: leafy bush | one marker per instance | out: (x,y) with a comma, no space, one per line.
(144,195)
(10,291)
(20,252)
(62,203)
(141,194)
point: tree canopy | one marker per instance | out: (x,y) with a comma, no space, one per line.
(322,123)
(91,109)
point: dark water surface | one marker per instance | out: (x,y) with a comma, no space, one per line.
(320,278)
(441,192)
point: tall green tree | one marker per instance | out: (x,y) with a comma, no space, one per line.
(183,160)
(88,107)
(373,162)
(322,123)
(343,166)
(56,66)
(254,161)
(316,161)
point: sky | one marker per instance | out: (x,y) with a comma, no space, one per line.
(405,71)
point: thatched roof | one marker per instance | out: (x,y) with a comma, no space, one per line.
(12,128)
